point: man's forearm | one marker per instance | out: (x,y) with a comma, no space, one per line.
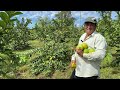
(98,55)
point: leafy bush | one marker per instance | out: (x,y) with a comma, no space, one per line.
(59,36)
(53,56)
(8,60)
(107,60)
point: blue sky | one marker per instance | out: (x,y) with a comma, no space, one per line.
(34,15)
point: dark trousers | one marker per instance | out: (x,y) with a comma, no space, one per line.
(75,77)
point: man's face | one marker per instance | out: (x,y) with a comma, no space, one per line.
(89,28)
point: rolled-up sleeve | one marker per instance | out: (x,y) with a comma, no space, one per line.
(73,57)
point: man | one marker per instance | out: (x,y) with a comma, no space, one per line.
(88,64)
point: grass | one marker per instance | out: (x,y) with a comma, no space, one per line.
(62,75)
(35,43)
(110,73)
(106,73)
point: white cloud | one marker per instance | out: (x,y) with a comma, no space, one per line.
(36,14)
(114,14)
(76,13)
(32,14)
(85,14)
(82,15)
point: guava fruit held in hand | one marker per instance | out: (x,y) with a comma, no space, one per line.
(73,65)
(79,46)
(91,50)
(85,46)
(86,51)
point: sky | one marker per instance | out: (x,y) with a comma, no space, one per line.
(80,16)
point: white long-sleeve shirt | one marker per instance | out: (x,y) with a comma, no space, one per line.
(89,64)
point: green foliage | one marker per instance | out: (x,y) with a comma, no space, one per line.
(13,13)
(21,35)
(59,36)
(7,18)
(4,16)
(53,56)
(8,60)
(33,34)
(7,24)
(2,24)
(107,60)
(111,30)
(23,59)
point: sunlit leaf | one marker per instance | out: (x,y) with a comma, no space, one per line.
(4,16)
(2,24)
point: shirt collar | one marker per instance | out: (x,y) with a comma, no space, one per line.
(92,33)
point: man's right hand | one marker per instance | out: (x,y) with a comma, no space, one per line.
(79,52)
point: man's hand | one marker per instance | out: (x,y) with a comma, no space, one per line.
(79,52)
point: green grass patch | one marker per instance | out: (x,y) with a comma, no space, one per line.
(36,43)
(110,73)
